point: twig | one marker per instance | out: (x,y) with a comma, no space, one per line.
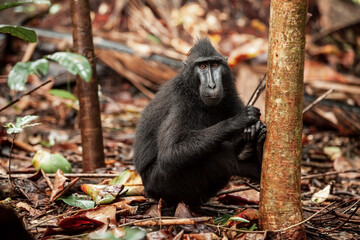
(352,205)
(340,225)
(238,189)
(309,218)
(29,52)
(11,150)
(27,93)
(318,100)
(177,221)
(232,207)
(252,186)
(259,89)
(328,173)
(165,220)
(69,175)
(52,218)
(47,179)
(179,236)
(280,230)
(81,235)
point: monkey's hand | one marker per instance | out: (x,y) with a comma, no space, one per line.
(248,117)
(261,138)
(252,114)
(251,140)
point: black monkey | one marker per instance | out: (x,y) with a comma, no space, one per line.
(196,133)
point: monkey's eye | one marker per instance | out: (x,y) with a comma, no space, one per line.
(215,65)
(202,66)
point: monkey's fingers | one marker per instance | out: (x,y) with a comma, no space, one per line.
(262,136)
(253,111)
(247,134)
(253,132)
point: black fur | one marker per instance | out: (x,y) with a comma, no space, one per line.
(186,150)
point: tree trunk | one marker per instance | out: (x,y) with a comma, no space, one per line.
(90,123)
(280,204)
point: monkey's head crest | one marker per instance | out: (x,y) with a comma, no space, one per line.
(202,51)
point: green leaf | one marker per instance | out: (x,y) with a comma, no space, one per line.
(132,180)
(41,65)
(19,73)
(77,200)
(50,163)
(222,220)
(123,177)
(130,177)
(21,123)
(17,76)
(239,219)
(20,32)
(63,94)
(26,119)
(74,63)
(253,227)
(108,235)
(18,3)
(134,233)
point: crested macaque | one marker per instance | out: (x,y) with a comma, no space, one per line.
(196,133)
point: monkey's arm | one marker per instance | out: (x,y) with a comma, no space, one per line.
(178,144)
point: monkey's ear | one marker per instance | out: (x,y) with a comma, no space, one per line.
(184,62)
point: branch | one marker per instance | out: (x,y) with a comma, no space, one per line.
(259,89)
(311,105)
(69,175)
(25,94)
(167,222)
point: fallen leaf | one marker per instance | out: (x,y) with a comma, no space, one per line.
(58,185)
(239,198)
(32,211)
(77,200)
(321,195)
(341,163)
(102,194)
(50,163)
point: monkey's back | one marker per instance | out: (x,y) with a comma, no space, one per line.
(145,146)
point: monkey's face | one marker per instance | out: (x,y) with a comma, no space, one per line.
(211,87)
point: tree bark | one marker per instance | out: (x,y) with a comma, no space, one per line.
(90,123)
(280,203)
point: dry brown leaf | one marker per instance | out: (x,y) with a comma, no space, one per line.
(341,164)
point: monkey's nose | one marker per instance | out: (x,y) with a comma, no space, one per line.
(213,86)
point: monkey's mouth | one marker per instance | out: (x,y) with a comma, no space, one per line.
(212,100)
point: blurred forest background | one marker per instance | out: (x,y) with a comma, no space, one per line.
(141,44)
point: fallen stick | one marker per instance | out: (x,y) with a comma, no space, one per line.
(237,189)
(328,173)
(52,175)
(311,105)
(178,221)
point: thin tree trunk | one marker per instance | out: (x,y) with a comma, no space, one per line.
(280,204)
(90,123)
